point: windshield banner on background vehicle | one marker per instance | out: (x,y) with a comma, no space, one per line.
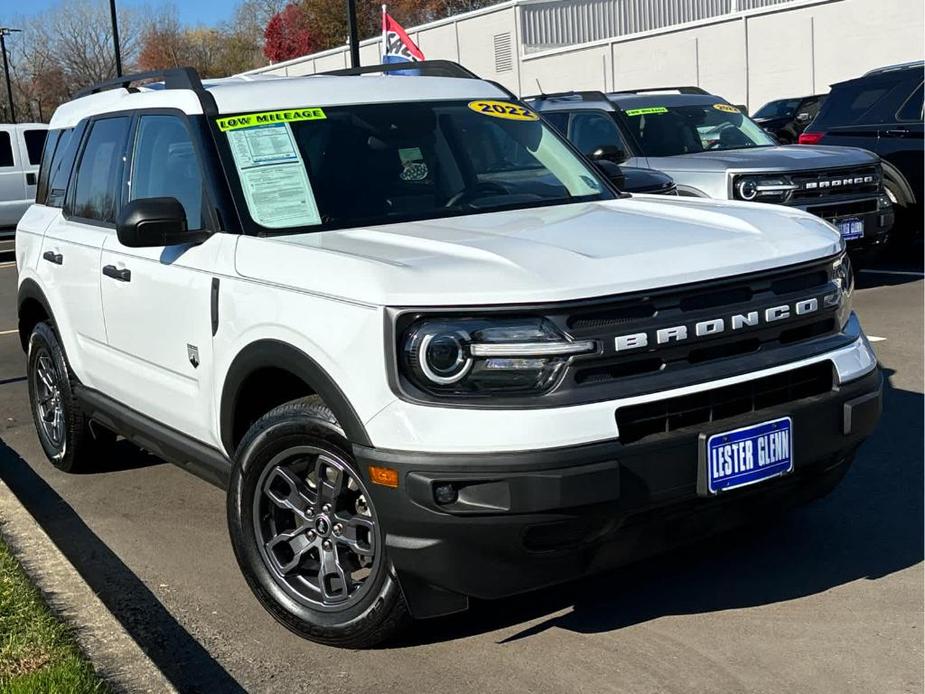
(271,170)
(646,111)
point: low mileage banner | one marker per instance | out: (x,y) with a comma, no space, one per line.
(249,120)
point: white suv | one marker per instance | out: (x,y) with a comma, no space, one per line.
(428,350)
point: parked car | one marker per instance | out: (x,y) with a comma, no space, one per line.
(20,152)
(882,112)
(430,353)
(713,150)
(785,119)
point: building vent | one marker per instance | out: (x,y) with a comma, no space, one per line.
(504,53)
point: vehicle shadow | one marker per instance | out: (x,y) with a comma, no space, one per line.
(184,661)
(890,267)
(869,527)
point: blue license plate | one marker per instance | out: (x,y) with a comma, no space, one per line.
(749,455)
(852,228)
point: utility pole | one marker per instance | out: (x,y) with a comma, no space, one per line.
(4,32)
(352,33)
(115,37)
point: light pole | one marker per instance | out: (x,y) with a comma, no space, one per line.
(115,37)
(352,33)
(4,32)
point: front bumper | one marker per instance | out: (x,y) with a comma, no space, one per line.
(876,213)
(528,519)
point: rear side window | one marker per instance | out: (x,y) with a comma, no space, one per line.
(912,109)
(41,193)
(165,164)
(59,168)
(99,174)
(35,140)
(589,130)
(6,149)
(857,103)
(558,120)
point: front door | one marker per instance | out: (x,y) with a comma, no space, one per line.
(157,301)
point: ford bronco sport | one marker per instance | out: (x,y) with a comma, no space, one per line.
(425,347)
(711,149)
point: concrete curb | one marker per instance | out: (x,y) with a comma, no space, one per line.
(115,655)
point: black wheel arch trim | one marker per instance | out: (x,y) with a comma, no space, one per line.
(30,290)
(893,174)
(269,353)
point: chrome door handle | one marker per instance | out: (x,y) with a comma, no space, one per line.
(123,275)
(898,132)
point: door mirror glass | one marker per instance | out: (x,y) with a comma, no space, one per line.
(608,153)
(151,222)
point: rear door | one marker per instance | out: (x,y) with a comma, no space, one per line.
(69,265)
(856,111)
(901,139)
(12,181)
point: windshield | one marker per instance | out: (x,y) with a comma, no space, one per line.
(783,108)
(378,163)
(667,131)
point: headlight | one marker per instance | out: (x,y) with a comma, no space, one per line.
(472,356)
(763,188)
(843,277)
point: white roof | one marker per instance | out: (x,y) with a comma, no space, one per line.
(251,94)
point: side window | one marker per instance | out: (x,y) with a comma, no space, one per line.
(912,109)
(6,149)
(59,168)
(48,154)
(165,164)
(589,130)
(99,174)
(35,140)
(558,120)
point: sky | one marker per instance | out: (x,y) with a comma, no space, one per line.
(191,12)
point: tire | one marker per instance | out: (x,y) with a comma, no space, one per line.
(333,587)
(62,428)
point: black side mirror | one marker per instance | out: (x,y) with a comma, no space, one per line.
(613,172)
(152,222)
(611,153)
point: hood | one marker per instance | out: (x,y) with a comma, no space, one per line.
(542,254)
(777,158)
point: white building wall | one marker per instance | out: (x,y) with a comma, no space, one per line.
(748,57)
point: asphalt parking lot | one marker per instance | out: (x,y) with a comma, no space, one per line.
(828,601)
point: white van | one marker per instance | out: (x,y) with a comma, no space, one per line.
(20,154)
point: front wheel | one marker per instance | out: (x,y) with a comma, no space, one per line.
(306,534)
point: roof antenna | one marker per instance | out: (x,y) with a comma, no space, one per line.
(539,86)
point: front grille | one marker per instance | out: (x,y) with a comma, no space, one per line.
(638,422)
(844,209)
(686,306)
(826,183)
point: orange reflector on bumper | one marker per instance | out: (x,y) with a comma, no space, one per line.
(385,476)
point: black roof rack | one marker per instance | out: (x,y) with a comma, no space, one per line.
(173,78)
(427,68)
(583,96)
(647,90)
(892,68)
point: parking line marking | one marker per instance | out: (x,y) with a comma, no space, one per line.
(12,263)
(901,273)
(8,332)
(874,338)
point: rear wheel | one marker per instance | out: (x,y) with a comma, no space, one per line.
(305,531)
(62,428)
